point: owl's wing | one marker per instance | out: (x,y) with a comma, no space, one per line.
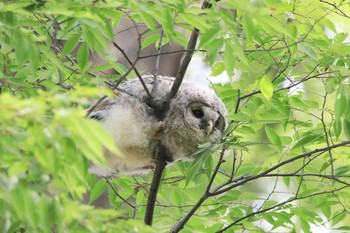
(100,110)
(132,125)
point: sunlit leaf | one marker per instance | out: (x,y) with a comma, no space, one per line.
(217,69)
(266,87)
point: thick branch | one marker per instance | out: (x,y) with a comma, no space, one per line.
(152,197)
(161,154)
(186,61)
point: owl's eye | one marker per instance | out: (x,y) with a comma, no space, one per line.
(198,113)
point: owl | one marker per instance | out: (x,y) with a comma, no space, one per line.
(195,116)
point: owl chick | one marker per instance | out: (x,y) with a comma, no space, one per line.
(195,116)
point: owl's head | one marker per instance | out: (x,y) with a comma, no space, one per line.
(196,116)
(206,120)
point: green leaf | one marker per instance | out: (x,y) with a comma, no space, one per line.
(97,190)
(340,171)
(338,217)
(327,211)
(266,87)
(308,50)
(201,155)
(341,105)
(70,44)
(147,19)
(83,56)
(286,180)
(343,228)
(176,197)
(340,37)
(273,137)
(337,126)
(167,21)
(192,172)
(248,26)
(217,69)
(181,39)
(346,124)
(305,225)
(149,40)
(209,36)
(229,59)
(307,140)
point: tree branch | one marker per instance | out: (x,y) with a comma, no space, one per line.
(342,13)
(186,61)
(90,110)
(264,173)
(132,64)
(172,52)
(279,205)
(191,46)
(245,179)
(161,153)
(181,223)
(152,197)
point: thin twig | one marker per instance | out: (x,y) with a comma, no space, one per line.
(288,161)
(156,68)
(172,52)
(221,160)
(331,161)
(159,52)
(118,195)
(245,179)
(90,110)
(138,51)
(279,205)
(132,64)
(342,13)
(181,223)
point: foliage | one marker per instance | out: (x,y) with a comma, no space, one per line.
(282,165)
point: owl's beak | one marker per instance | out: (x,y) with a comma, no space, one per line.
(210,127)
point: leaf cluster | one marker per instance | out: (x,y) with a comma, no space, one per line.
(282,164)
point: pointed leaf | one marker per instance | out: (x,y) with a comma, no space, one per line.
(97,190)
(209,36)
(70,44)
(229,60)
(266,87)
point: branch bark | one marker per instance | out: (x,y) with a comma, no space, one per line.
(152,197)
(186,61)
(161,154)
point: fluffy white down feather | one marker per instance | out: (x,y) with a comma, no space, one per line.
(134,126)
